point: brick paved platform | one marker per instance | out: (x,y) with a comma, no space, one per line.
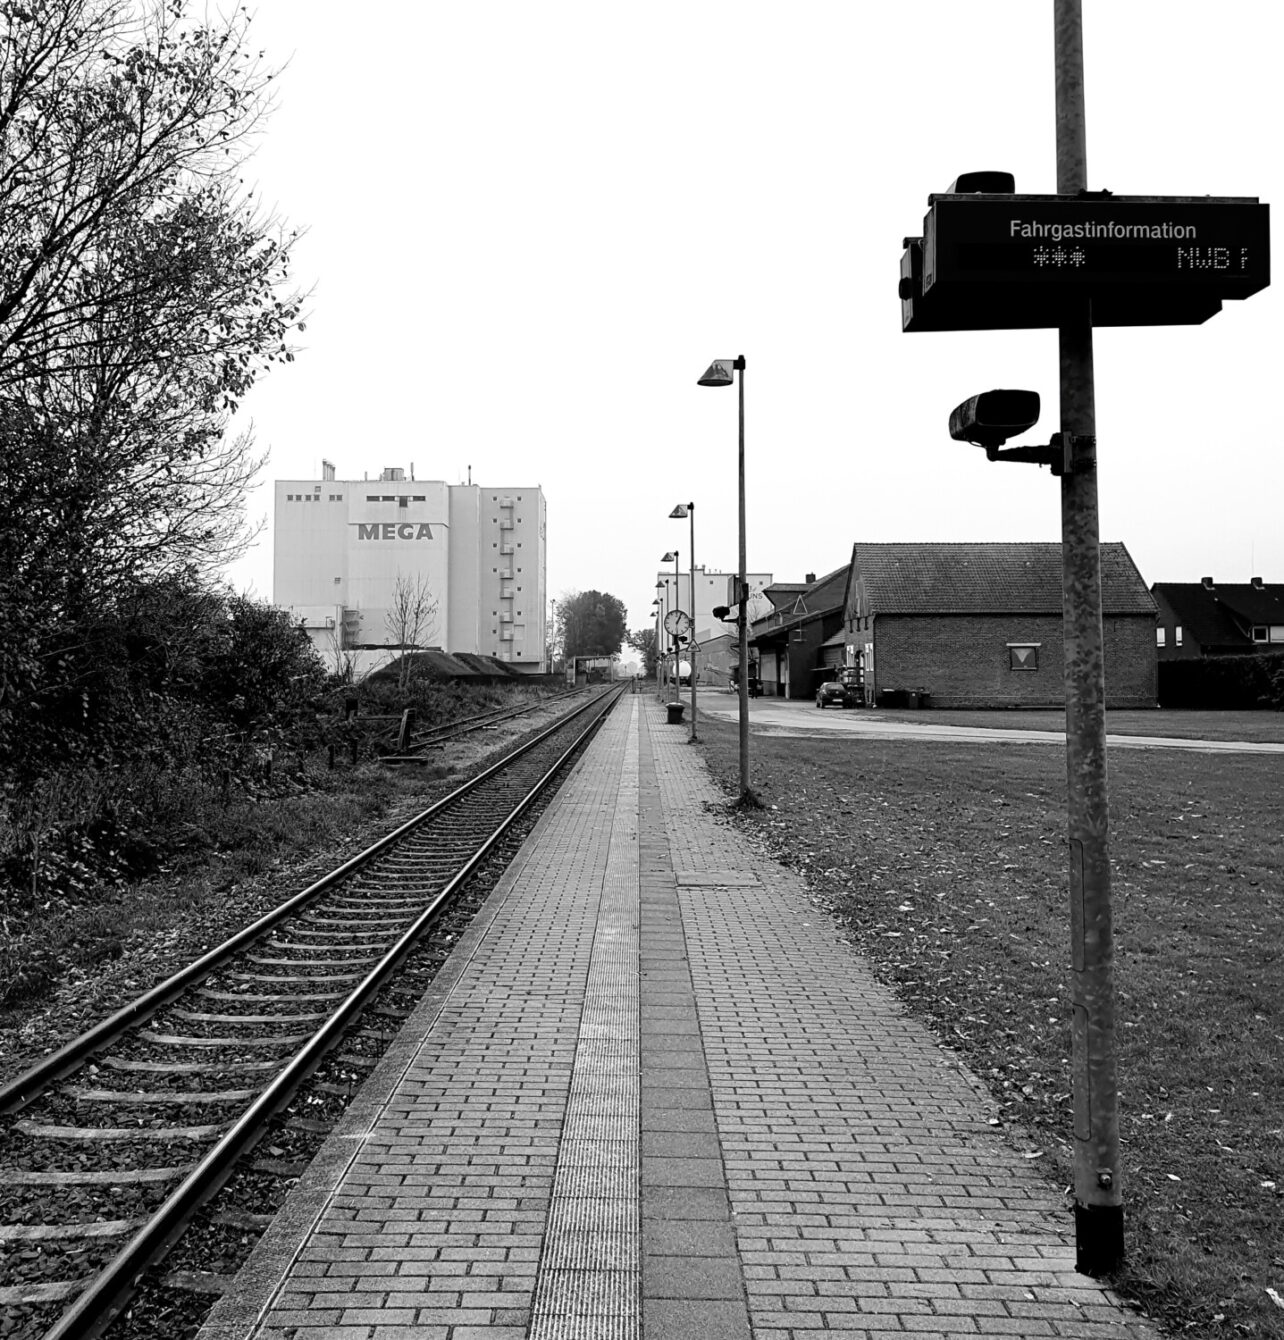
(653,1096)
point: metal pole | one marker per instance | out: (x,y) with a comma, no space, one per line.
(742,616)
(1098,1209)
(691,561)
(660,668)
(677,598)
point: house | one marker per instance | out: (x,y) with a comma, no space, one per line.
(794,645)
(1198,619)
(980,625)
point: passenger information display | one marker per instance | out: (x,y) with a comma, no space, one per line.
(996,261)
(997,239)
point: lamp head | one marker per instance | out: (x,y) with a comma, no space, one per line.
(681,510)
(720,373)
(671,556)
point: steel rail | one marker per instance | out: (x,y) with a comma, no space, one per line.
(100,1302)
(416,749)
(26,1087)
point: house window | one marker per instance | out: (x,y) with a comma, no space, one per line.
(1261,633)
(1177,636)
(1161,636)
(1023,655)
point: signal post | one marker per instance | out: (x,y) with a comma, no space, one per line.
(991,259)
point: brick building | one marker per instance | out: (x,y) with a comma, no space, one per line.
(980,625)
(793,645)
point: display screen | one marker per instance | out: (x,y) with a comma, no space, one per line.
(1222,245)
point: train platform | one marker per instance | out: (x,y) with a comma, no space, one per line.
(652,1095)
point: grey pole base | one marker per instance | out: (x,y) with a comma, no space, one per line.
(1098,1239)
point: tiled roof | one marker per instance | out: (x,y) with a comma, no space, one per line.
(796,602)
(1223,615)
(986,578)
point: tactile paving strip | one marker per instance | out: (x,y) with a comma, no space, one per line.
(589,1281)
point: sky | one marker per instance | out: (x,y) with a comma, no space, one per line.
(530,227)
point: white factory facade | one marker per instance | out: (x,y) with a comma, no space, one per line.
(345,549)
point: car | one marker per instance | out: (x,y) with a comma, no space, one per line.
(837,691)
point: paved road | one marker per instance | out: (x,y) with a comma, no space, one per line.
(788,717)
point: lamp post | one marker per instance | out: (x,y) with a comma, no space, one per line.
(680,511)
(552,639)
(722,372)
(671,556)
(655,605)
(662,609)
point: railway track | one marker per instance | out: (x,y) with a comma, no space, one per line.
(112,1145)
(426,737)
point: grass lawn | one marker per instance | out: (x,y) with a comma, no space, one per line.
(947,862)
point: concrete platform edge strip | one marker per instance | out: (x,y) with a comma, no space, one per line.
(589,1273)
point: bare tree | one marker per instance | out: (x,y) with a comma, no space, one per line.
(411,620)
(141,294)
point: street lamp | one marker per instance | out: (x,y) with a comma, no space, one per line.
(722,372)
(671,556)
(680,511)
(661,610)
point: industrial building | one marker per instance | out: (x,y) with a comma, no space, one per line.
(374,567)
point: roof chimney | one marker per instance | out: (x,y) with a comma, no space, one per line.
(1256,581)
(1207,583)
(810,578)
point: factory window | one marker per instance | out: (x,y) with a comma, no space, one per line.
(388,497)
(372,497)
(421,497)
(289,497)
(1023,655)
(403,501)
(337,580)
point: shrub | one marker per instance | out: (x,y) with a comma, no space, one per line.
(1254,680)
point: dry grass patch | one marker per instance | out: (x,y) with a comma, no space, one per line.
(947,864)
